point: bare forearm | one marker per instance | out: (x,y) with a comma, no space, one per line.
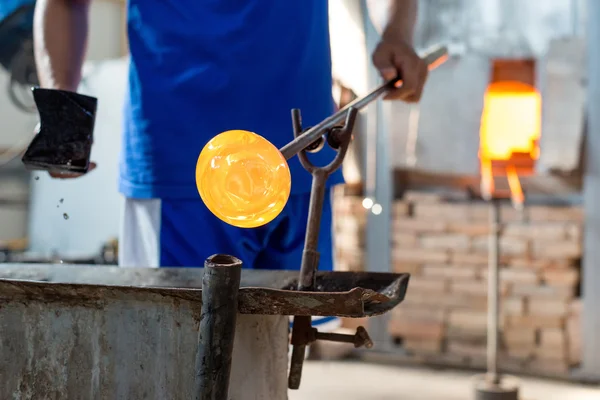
(60,37)
(402,20)
(395,19)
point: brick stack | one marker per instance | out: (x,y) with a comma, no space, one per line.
(443,243)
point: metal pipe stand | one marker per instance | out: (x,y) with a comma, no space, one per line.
(220,288)
(494,386)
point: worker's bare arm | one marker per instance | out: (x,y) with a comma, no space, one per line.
(60,36)
(60,30)
(395,53)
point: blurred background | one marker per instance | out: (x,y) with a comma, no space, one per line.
(505,116)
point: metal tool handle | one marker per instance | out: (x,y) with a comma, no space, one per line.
(433,58)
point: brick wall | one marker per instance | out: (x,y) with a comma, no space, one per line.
(443,244)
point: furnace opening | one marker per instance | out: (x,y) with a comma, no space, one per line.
(510,125)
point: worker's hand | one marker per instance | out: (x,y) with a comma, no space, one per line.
(393,57)
(68,175)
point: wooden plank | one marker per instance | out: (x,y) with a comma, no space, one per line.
(563,92)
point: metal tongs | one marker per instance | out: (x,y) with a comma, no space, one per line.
(312,140)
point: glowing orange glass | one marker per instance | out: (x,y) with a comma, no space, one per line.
(243,179)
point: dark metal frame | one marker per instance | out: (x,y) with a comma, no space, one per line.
(313,139)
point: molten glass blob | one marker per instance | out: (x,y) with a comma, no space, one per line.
(243,179)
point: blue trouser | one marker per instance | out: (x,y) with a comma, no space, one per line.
(189,233)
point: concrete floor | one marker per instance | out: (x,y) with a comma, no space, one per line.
(361,381)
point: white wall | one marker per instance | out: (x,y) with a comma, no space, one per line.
(92,202)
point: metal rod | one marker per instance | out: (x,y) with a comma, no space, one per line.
(359,339)
(220,286)
(301,329)
(493,292)
(433,58)
(310,254)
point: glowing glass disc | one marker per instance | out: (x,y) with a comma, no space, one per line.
(243,179)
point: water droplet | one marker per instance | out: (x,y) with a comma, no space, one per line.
(66,216)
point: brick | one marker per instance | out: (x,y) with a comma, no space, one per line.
(469,228)
(442,211)
(538,263)
(418,225)
(510,214)
(520,352)
(513,306)
(414,196)
(515,275)
(534,321)
(519,337)
(349,206)
(404,240)
(406,268)
(350,223)
(479,212)
(575,307)
(553,337)
(468,259)
(472,321)
(348,241)
(547,307)
(422,346)
(445,241)
(466,349)
(544,230)
(400,209)
(354,323)
(508,245)
(556,249)
(416,329)
(455,302)
(448,359)
(425,284)
(352,256)
(552,353)
(467,302)
(549,213)
(554,368)
(574,340)
(575,232)
(418,313)
(475,287)
(420,255)
(348,267)
(561,276)
(469,287)
(547,292)
(447,271)
(466,336)
(346,262)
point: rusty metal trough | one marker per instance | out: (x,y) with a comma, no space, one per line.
(132,333)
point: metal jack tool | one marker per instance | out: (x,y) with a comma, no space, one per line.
(494,386)
(337,137)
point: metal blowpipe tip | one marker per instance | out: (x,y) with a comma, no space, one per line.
(434,57)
